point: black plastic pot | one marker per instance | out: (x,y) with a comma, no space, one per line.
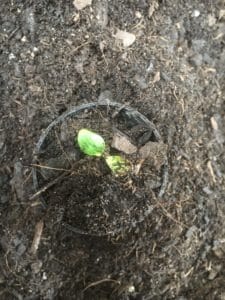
(130,115)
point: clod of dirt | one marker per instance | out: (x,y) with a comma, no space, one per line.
(121,142)
(155,153)
(81,4)
(124,37)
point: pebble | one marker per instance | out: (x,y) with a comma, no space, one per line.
(125,37)
(11,56)
(195,13)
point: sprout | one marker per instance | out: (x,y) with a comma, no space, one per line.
(91,143)
(117,164)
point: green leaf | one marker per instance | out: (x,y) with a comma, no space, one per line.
(90,143)
(117,164)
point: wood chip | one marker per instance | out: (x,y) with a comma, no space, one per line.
(214,123)
(81,4)
(156,77)
(37,237)
(121,142)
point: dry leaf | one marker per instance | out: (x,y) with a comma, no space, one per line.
(125,37)
(80,4)
(122,143)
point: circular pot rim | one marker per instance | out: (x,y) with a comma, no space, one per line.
(74,111)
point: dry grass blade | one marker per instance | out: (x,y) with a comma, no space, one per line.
(49,168)
(101,281)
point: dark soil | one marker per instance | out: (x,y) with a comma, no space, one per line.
(53,57)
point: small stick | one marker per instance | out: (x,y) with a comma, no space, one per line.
(50,184)
(101,281)
(37,237)
(137,167)
(46,167)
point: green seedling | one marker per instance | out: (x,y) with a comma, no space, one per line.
(91,143)
(117,164)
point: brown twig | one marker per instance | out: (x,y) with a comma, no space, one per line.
(50,184)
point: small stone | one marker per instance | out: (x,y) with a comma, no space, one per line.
(24,39)
(138,15)
(131,289)
(35,49)
(122,143)
(195,13)
(11,56)
(125,37)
